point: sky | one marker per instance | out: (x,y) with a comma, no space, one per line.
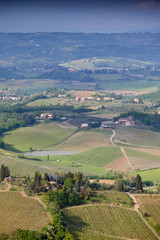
(103,16)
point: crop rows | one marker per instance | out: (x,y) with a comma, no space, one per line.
(19,212)
(110,220)
(93,235)
(151,206)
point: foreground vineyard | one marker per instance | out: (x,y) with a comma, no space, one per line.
(108,220)
(150,206)
(17,211)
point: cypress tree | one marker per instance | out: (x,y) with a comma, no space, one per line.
(139,185)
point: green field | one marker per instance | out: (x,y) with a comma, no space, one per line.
(47,101)
(21,166)
(90,162)
(38,136)
(129,85)
(17,211)
(98,157)
(118,198)
(151,174)
(117,222)
(111,62)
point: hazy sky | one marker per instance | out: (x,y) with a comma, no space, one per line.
(79,16)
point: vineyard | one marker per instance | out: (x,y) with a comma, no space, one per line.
(117,222)
(17,211)
(150,205)
(93,235)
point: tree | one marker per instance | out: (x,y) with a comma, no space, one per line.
(4,172)
(119,185)
(139,185)
(46,177)
(37,179)
(2,145)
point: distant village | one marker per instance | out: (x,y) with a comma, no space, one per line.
(7,95)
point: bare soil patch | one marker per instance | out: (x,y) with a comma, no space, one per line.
(106,181)
(118,164)
(84,93)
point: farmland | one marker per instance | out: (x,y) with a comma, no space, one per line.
(150,205)
(143,160)
(138,136)
(21,166)
(117,221)
(83,140)
(90,63)
(33,216)
(118,198)
(24,138)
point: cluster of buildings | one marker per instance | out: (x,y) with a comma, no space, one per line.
(12,98)
(6,95)
(128,122)
(83,99)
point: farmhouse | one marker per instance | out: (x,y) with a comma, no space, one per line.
(136,100)
(52,184)
(46,116)
(84,125)
(108,124)
(61,95)
(128,122)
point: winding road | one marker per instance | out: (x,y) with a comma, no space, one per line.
(122,150)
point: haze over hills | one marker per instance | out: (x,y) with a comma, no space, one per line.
(100,59)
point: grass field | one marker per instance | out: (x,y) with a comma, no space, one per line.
(129,85)
(48,101)
(151,205)
(21,166)
(151,174)
(98,157)
(118,198)
(38,136)
(17,211)
(90,162)
(117,221)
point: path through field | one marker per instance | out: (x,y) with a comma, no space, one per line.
(136,208)
(122,150)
